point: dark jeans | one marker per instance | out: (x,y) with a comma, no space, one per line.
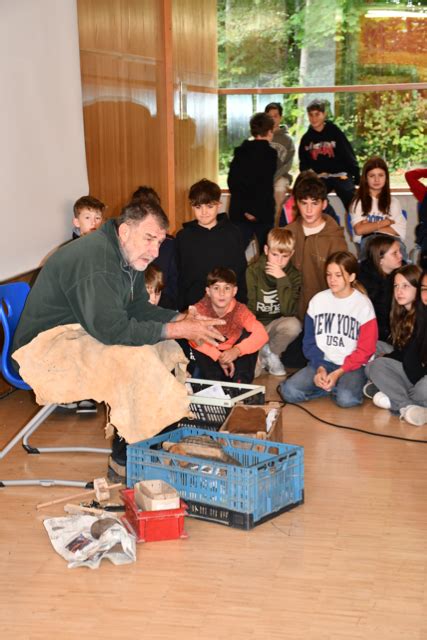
(257,229)
(211,370)
(330,211)
(201,366)
(343,188)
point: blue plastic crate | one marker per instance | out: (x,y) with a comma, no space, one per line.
(269,481)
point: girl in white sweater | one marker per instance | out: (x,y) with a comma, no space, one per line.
(374,210)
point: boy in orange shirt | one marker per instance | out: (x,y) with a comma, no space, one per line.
(235,358)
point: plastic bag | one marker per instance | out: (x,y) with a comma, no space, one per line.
(72,537)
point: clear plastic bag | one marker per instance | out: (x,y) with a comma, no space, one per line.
(73,538)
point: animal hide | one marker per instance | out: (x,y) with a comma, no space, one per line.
(66,364)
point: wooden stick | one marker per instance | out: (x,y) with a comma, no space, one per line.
(74,496)
(76,509)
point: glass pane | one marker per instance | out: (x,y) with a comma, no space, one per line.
(303,43)
(391,124)
(271,43)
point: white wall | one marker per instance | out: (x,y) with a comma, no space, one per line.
(42,152)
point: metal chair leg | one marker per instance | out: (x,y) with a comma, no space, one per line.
(46,482)
(24,433)
(36,423)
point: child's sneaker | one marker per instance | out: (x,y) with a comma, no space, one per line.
(381,400)
(275,366)
(414,414)
(262,360)
(369,390)
(258,367)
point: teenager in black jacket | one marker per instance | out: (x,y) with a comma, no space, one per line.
(250,181)
(205,243)
(325,149)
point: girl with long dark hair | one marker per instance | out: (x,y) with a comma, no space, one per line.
(401,376)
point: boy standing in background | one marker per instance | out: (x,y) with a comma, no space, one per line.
(250,180)
(285,148)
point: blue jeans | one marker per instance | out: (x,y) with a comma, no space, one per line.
(348,392)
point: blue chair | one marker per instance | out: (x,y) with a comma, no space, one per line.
(12,301)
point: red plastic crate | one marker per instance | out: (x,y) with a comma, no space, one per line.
(152,526)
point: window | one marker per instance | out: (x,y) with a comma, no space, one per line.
(367,59)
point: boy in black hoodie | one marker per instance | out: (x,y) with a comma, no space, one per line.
(325,149)
(250,181)
(205,243)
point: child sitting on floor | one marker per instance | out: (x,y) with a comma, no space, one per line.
(154,283)
(400,377)
(274,286)
(340,336)
(88,215)
(206,242)
(374,210)
(235,358)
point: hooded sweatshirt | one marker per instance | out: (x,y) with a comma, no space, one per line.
(88,282)
(269,297)
(199,250)
(311,253)
(285,148)
(250,180)
(328,151)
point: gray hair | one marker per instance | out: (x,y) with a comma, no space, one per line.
(136,212)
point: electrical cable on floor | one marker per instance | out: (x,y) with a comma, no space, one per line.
(7,393)
(343,426)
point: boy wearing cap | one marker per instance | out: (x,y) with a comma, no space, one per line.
(325,149)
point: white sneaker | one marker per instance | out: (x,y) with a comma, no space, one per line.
(414,414)
(258,367)
(275,366)
(381,400)
(264,355)
(262,360)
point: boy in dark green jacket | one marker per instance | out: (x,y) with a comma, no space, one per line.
(274,286)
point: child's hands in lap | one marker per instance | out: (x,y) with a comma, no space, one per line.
(320,378)
(229,355)
(228,369)
(327,381)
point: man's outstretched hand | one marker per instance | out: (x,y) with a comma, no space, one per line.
(198,329)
